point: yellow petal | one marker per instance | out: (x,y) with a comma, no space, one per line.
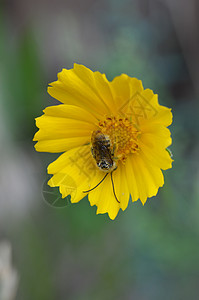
(60,145)
(70,112)
(156,136)
(84,88)
(77,163)
(63,127)
(104,199)
(131,178)
(73,172)
(75,192)
(141,184)
(121,186)
(153,111)
(156,155)
(98,83)
(146,178)
(146,109)
(57,128)
(149,177)
(73,157)
(124,88)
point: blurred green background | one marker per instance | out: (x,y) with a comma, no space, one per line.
(149,252)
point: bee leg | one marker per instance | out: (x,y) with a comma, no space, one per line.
(114,188)
(96,185)
(93,153)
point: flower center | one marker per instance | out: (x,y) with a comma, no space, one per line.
(123,134)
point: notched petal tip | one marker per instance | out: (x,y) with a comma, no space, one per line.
(110,215)
(35,137)
(143,201)
(37,146)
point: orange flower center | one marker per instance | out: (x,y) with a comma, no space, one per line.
(123,135)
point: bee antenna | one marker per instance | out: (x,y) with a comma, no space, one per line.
(97,184)
(101,182)
(114,188)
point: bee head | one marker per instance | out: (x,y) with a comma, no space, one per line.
(108,166)
(104,165)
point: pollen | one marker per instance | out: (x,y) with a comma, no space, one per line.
(123,134)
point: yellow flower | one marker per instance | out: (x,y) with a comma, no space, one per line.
(112,128)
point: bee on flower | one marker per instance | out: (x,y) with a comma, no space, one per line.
(113,136)
(104,157)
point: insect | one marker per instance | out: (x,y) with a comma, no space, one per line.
(101,151)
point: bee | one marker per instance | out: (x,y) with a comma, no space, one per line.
(101,152)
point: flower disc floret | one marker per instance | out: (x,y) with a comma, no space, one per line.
(124,136)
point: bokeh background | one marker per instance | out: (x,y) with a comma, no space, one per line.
(48,253)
